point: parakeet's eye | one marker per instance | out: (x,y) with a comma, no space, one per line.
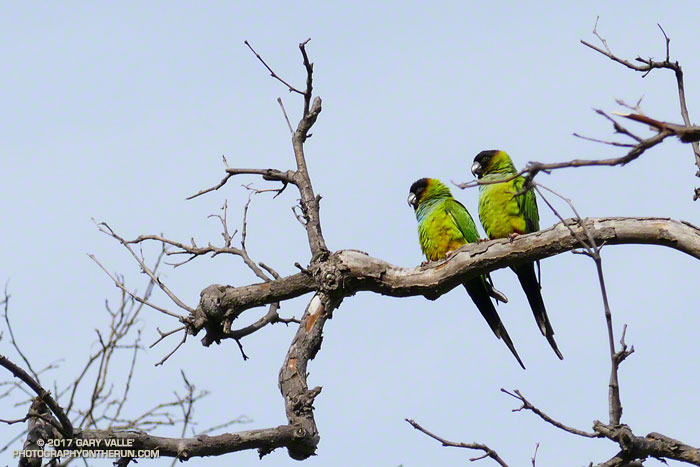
(482,162)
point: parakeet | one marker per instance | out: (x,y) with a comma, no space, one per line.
(444,225)
(504,211)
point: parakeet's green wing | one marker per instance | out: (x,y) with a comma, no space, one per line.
(528,206)
(462,219)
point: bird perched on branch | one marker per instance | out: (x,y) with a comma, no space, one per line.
(508,209)
(444,225)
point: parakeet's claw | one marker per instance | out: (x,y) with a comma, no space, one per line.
(497,294)
(482,240)
(512,236)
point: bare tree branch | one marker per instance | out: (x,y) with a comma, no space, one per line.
(357,271)
(593,251)
(272,73)
(122,320)
(633,449)
(533,168)
(292,380)
(534,455)
(309,201)
(647,65)
(6,304)
(652,445)
(121,285)
(240,419)
(65,426)
(267,174)
(41,427)
(284,112)
(106,229)
(686,133)
(526,405)
(170,354)
(300,177)
(488,452)
(203,445)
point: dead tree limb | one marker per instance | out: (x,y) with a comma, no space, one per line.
(488,452)
(646,66)
(350,271)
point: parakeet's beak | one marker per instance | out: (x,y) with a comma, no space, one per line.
(412,200)
(476,169)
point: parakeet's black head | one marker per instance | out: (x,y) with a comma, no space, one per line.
(415,194)
(427,189)
(492,162)
(483,161)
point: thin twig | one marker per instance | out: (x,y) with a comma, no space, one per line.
(272,73)
(184,338)
(272,272)
(133,295)
(163,335)
(488,452)
(106,229)
(267,174)
(240,419)
(526,405)
(186,406)
(127,385)
(534,456)
(286,118)
(212,188)
(615,405)
(602,141)
(6,303)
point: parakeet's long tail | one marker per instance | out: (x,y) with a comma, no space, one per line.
(478,292)
(529,283)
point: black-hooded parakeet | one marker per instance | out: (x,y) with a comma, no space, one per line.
(505,210)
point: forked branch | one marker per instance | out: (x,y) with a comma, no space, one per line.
(488,452)
(645,66)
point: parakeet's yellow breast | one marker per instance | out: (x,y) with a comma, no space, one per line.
(439,235)
(499,211)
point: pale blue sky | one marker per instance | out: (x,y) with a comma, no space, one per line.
(119,111)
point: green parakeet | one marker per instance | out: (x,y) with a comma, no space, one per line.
(444,225)
(504,211)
